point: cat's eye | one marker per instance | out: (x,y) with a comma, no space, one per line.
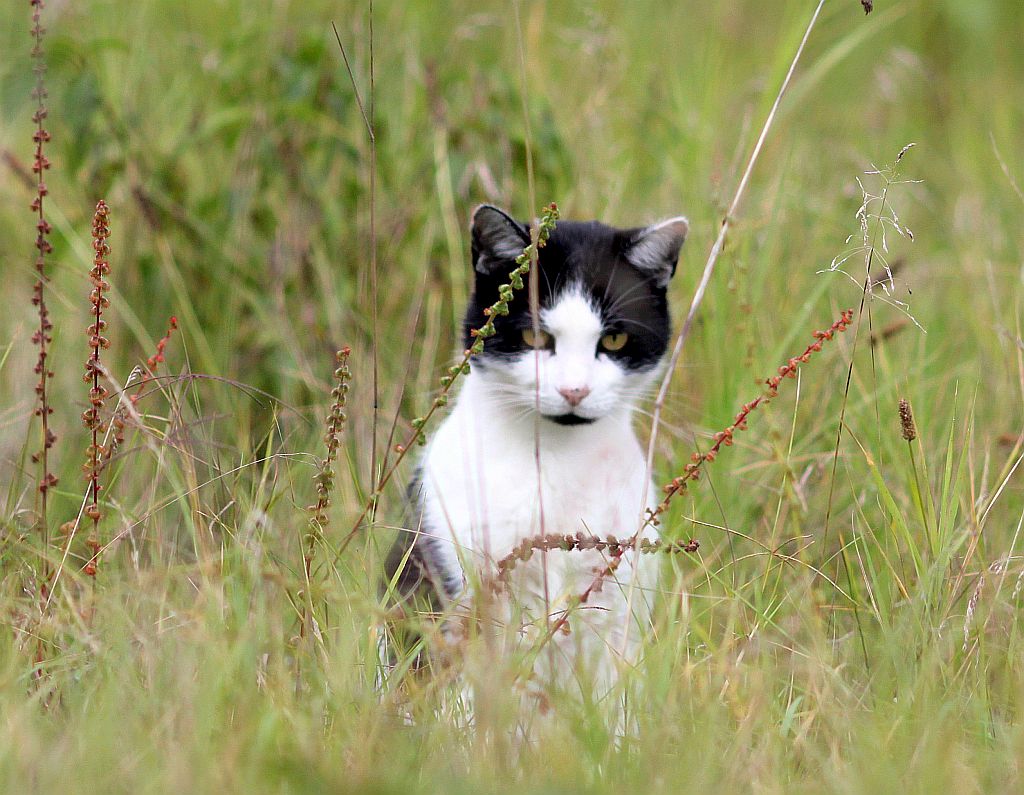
(540,339)
(614,342)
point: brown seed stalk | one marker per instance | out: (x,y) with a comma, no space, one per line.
(324,478)
(692,470)
(580,542)
(725,437)
(41,337)
(161,344)
(92,417)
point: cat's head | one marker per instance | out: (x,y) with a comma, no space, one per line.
(604,318)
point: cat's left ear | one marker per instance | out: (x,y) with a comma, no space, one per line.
(497,239)
(655,250)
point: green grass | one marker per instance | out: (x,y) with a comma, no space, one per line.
(226,139)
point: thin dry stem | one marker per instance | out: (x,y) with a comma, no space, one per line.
(368,120)
(719,244)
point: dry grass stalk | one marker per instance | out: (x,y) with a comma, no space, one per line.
(972,607)
(719,244)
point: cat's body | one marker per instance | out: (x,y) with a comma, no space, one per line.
(540,439)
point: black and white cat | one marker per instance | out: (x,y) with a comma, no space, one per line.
(540,438)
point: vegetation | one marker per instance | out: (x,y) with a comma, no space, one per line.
(178,620)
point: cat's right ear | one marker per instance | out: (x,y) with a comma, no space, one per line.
(655,250)
(497,239)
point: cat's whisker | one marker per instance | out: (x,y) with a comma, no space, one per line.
(547,282)
(611,279)
(619,299)
(674,430)
(632,322)
(638,397)
(617,309)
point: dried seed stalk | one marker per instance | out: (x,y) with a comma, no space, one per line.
(92,417)
(41,337)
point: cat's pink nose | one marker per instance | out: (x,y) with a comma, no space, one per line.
(575,395)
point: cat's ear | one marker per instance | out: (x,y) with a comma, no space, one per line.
(497,239)
(655,250)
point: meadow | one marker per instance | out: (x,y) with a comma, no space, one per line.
(849,622)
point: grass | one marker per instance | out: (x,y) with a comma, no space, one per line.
(228,143)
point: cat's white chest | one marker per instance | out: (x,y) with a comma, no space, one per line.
(489,483)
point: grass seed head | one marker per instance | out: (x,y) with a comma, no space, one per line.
(907,426)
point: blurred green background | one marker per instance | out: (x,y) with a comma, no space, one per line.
(226,138)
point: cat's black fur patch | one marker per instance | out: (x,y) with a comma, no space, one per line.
(588,256)
(411,555)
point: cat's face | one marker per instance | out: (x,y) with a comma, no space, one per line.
(603,323)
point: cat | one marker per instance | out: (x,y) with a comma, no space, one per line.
(540,439)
